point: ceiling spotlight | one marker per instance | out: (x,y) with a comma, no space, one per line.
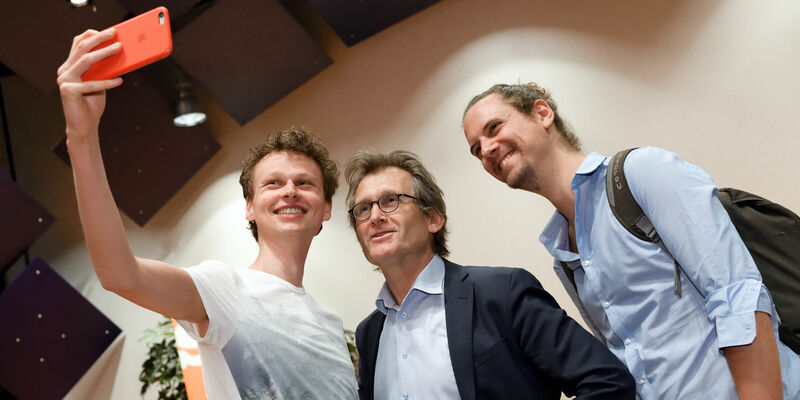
(187,112)
(78,3)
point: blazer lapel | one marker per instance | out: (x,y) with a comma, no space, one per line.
(458,299)
(373,341)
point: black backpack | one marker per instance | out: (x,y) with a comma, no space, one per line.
(770,232)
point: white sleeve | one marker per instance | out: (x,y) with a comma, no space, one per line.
(219,287)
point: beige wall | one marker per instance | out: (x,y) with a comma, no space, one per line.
(711,80)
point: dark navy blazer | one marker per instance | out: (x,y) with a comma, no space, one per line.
(509,339)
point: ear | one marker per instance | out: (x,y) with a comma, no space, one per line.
(327,214)
(249,213)
(544,113)
(435,222)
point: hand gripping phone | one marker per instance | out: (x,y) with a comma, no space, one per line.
(145,38)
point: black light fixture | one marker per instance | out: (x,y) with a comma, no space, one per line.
(187,112)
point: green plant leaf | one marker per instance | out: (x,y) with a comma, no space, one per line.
(161,370)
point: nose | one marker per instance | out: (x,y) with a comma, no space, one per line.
(375,213)
(289,190)
(488,147)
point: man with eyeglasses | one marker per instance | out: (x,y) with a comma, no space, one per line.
(443,331)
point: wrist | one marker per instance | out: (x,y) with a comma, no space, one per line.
(79,145)
(80,136)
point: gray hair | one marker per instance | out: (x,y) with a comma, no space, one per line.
(429,196)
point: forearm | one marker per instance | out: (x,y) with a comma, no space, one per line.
(152,284)
(756,367)
(102,226)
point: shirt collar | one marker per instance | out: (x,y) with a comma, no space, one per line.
(555,236)
(591,163)
(430,281)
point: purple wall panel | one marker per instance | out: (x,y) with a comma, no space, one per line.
(147,158)
(37,34)
(22,220)
(356,20)
(247,55)
(51,334)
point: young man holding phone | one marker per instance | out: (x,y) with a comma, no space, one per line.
(259,332)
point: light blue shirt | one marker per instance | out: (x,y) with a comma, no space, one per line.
(671,345)
(413,356)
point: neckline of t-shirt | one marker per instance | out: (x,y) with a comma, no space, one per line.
(267,275)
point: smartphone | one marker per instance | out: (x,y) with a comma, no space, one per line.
(145,38)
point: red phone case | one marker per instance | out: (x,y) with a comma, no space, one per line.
(145,38)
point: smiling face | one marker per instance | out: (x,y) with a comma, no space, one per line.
(288,196)
(404,235)
(508,143)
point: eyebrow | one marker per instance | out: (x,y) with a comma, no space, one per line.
(304,175)
(283,176)
(489,122)
(387,191)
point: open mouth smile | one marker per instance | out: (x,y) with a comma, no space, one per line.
(503,161)
(290,211)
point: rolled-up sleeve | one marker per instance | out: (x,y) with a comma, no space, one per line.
(733,307)
(697,230)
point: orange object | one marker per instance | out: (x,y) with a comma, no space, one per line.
(145,39)
(189,355)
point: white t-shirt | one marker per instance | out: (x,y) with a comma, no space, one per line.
(268,339)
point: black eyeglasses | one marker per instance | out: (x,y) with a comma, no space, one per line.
(387,203)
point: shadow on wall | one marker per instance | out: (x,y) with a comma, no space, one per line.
(368,86)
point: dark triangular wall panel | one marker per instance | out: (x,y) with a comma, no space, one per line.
(356,20)
(147,158)
(51,334)
(247,55)
(176,8)
(37,34)
(22,221)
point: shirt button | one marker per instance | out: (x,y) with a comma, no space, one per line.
(627,341)
(641,381)
(404,355)
(606,304)
(587,263)
(404,315)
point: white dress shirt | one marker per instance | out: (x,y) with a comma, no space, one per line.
(413,356)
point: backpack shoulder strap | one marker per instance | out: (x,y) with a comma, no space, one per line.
(622,203)
(627,210)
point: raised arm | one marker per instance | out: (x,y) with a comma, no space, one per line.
(155,285)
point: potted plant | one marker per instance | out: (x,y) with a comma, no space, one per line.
(162,368)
